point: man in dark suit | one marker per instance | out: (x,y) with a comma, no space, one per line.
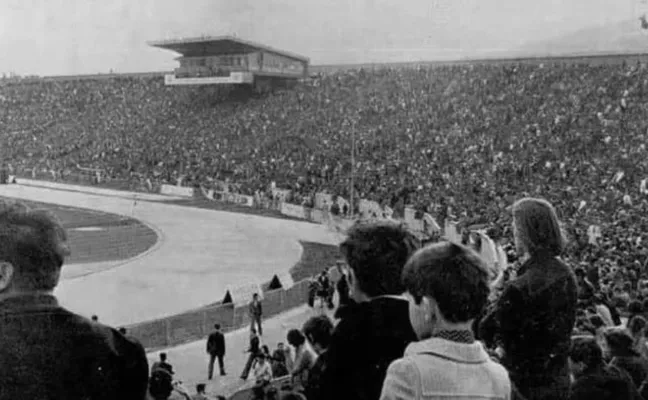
(256,314)
(48,352)
(216,349)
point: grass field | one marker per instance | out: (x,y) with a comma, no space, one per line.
(96,236)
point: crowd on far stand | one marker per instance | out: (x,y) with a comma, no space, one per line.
(476,144)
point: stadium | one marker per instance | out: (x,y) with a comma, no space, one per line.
(185,192)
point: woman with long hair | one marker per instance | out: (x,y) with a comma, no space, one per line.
(536,313)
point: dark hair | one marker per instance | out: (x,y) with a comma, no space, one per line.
(34,242)
(216,326)
(453,275)
(122,331)
(94,318)
(200,388)
(635,307)
(319,330)
(295,337)
(596,321)
(618,339)
(163,356)
(585,349)
(537,226)
(377,253)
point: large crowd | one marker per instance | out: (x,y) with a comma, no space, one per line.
(459,142)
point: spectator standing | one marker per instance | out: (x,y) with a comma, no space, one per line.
(375,331)
(623,355)
(254,350)
(255,312)
(593,380)
(536,313)
(163,364)
(48,352)
(447,286)
(304,358)
(318,331)
(216,350)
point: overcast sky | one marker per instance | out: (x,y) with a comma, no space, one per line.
(53,37)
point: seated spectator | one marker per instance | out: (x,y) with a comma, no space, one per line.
(447,287)
(602,310)
(262,369)
(304,358)
(46,351)
(279,361)
(375,331)
(585,288)
(635,308)
(623,355)
(162,364)
(593,380)
(637,327)
(535,315)
(318,331)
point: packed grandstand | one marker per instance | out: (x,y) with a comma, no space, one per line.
(457,142)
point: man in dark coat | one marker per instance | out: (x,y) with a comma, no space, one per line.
(216,349)
(48,352)
(375,331)
(255,311)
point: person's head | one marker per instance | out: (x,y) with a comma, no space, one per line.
(447,285)
(280,346)
(255,296)
(217,327)
(94,318)
(295,338)
(637,326)
(122,331)
(376,253)
(536,228)
(318,330)
(584,354)
(635,307)
(200,388)
(33,250)
(163,357)
(618,341)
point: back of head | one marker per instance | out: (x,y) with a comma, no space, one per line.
(318,330)
(585,349)
(34,244)
(619,340)
(637,325)
(295,338)
(453,275)
(377,253)
(537,229)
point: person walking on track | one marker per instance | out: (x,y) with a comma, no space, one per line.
(216,349)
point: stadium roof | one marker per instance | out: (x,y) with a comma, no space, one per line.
(216,45)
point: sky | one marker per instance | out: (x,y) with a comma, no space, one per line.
(62,37)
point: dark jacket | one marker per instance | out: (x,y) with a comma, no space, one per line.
(367,339)
(255,310)
(313,389)
(604,384)
(635,365)
(533,320)
(47,352)
(216,344)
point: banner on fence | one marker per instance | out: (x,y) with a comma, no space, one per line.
(241,295)
(293,210)
(171,190)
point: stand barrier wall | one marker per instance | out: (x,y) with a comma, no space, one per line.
(196,325)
